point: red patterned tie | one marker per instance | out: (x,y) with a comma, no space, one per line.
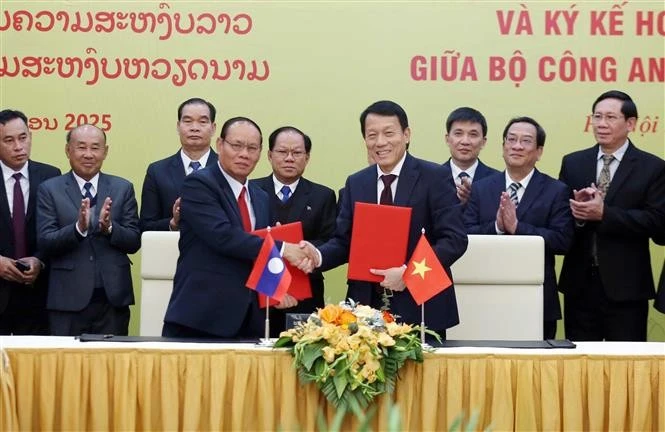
(244,211)
(18,219)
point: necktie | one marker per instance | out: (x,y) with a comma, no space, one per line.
(88,194)
(195,165)
(463,175)
(512,189)
(387,194)
(18,219)
(244,210)
(604,177)
(286,193)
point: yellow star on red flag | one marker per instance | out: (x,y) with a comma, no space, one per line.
(425,277)
(420,268)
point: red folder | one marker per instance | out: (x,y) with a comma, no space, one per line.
(378,240)
(300,287)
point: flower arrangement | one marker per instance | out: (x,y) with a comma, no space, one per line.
(352,352)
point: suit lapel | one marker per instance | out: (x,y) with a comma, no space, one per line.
(532,193)
(73,191)
(4,204)
(227,195)
(176,172)
(299,200)
(623,172)
(408,178)
(261,212)
(589,169)
(212,158)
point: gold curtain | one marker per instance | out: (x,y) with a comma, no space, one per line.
(146,389)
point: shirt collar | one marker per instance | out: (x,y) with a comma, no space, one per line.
(7,172)
(236,186)
(457,170)
(524,182)
(396,170)
(278,185)
(186,160)
(94,181)
(618,154)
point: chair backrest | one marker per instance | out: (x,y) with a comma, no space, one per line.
(499,288)
(159,256)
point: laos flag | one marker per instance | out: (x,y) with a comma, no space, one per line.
(269,275)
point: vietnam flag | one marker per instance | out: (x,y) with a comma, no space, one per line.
(269,275)
(424,275)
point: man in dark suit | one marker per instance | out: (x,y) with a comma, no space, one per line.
(294,198)
(418,184)
(618,201)
(160,197)
(466,135)
(524,201)
(219,209)
(659,303)
(22,293)
(87,223)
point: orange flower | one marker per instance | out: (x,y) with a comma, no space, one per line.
(347,318)
(387,316)
(330,313)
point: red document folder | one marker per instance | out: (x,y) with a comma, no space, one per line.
(300,287)
(378,240)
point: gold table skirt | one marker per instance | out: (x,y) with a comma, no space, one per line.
(161,389)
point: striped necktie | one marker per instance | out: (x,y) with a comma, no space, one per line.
(512,190)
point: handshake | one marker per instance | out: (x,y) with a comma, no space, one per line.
(302,255)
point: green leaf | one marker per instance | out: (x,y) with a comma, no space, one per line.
(340,383)
(310,353)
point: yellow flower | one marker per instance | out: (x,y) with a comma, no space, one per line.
(385,340)
(328,354)
(346,318)
(330,313)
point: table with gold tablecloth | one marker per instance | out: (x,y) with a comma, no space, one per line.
(50,383)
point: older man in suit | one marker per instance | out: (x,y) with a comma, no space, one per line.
(466,135)
(219,209)
(524,201)
(294,198)
(22,282)
(402,180)
(160,197)
(87,224)
(618,201)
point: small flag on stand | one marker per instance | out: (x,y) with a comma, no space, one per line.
(424,275)
(269,275)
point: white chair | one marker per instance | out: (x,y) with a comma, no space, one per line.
(159,256)
(499,288)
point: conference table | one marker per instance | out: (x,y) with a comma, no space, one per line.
(61,383)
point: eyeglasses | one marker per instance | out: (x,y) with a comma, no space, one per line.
(283,154)
(252,149)
(609,118)
(512,140)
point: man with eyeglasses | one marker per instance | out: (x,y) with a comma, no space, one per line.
(219,209)
(295,198)
(617,196)
(160,198)
(523,201)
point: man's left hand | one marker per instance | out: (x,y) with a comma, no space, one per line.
(105,216)
(591,210)
(392,277)
(31,275)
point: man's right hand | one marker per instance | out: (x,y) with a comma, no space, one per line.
(84,215)
(174,223)
(303,256)
(8,270)
(464,190)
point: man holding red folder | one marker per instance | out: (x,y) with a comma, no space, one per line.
(417,184)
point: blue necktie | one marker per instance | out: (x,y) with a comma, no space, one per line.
(195,165)
(286,193)
(88,194)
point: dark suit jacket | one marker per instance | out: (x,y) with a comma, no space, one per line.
(77,260)
(543,211)
(634,211)
(482,171)
(659,303)
(216,255)
(313,205)
(34,297)
(161,187)
(434,207)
